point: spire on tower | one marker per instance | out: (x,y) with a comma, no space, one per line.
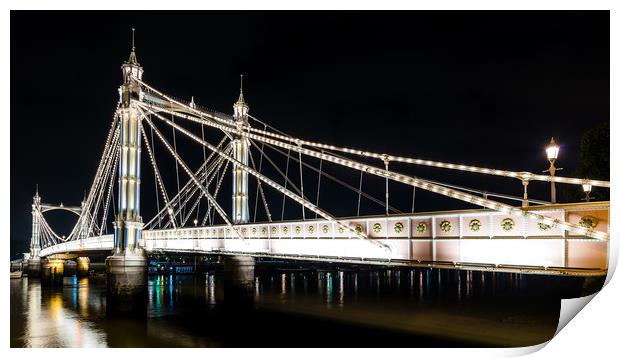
(241,100)
(132,56)
(240,107)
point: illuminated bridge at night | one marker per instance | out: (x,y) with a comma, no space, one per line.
(507,233)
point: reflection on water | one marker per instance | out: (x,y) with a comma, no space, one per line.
(373,307)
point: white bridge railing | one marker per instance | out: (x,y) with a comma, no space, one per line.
(465,237)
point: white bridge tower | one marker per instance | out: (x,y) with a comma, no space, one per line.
(241,147)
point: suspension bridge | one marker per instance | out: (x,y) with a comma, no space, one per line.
(502,232)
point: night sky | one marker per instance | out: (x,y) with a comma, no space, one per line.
(480,88)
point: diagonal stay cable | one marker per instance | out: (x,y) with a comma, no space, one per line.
(422,184)
(275,185)
(218,208)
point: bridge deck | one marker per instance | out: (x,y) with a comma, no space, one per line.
(469,238)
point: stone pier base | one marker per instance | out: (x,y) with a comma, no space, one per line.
(33,267)
(52,272)
(238,280)
(126,285)
(83,266)
(69,268)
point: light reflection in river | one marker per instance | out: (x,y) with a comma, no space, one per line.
(75,315)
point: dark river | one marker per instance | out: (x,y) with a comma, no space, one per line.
(301,308)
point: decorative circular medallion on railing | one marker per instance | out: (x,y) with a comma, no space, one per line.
(421,228)
(221,231)
(325,229)
(398,227)
(475,225)
(274,230)
(253,231)
(263,231)
(544,227)
(507,224)
(376,228)
(341,229)
(311,229)
(214,231)
(285,230)
(244,230)
(358,228)
(297,229)
(227,231)
(445,226)
(588,222)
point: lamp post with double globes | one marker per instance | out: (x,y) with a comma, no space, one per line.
(552,155)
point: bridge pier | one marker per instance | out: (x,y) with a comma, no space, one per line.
(126,284)
(69,268)
(52,272)
(33,267)
(239,279)
(82,266)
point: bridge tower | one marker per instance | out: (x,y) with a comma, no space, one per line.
(241,146)
(126,267)
(34,262)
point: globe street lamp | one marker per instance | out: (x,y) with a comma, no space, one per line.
(552,155)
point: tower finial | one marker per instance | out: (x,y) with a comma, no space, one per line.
(241,99)
(37,189)
(132,56)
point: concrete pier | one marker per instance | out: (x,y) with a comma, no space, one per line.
(239,279)
(52,272)
(126,285)
(69,268)
(83,266)
(33,267)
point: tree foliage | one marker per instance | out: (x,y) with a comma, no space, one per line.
(593,163)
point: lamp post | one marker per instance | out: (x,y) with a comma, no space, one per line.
(552,154)
(587,188)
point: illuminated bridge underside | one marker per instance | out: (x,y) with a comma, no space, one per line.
(443,239)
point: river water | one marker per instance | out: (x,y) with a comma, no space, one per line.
(301,308)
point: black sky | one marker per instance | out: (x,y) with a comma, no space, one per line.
(482,88)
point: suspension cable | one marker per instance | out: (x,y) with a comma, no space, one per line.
(479,170)
(260,167)
(318,185)
(189,172)
(212,168)
(331,177)
(359,195)
(275,185)
(413,201)
(155,181)
(158,179)
(301,184)
(285,182)
(197,202)
(104,219)
(220,179)
(176,163)
(259,189)
(188,186)
(415,182)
